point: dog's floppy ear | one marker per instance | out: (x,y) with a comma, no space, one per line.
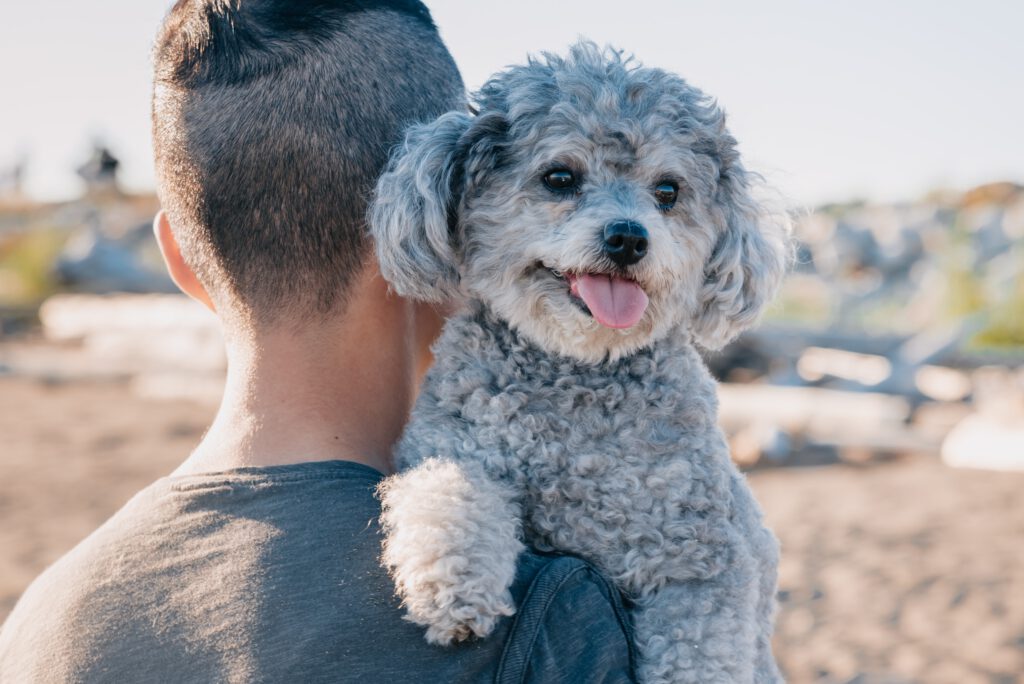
(747,263)
(409,215)
(414,217)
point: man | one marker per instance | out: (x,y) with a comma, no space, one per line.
(258,559)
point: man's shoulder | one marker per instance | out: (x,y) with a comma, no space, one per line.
(63,607)
(570,621)
(277,573)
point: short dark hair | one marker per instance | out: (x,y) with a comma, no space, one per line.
(271,121)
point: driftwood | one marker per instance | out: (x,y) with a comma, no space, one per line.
(166,346)
(809,425)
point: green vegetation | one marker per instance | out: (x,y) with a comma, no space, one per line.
(959,277)
(1006,324)
(26,265)
(800,302)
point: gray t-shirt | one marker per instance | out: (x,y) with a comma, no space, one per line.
(272,574)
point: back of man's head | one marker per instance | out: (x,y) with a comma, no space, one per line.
(271,122)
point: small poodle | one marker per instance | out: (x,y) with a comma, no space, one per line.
(596,219)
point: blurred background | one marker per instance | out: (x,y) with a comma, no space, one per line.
(879,409)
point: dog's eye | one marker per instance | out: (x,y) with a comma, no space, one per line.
(666,194)
(560,180)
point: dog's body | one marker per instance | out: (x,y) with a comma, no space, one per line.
(621,463)
(567,406)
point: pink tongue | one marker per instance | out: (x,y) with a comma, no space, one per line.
(615,302)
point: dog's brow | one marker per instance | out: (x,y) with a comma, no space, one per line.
(563,161)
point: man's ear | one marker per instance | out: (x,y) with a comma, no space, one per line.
(414,214)
(181,273)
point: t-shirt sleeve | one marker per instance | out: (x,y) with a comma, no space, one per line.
(570,627)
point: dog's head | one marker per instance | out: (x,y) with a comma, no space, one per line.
(593,204)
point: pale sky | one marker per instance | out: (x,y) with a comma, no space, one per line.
(829,99)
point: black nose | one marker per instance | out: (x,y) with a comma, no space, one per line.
(625,242)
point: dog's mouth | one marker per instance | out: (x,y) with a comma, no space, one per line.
(615,301)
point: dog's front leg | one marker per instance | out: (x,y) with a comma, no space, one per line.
(702,631)
(451,539)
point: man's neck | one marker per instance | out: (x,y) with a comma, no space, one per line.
(338,390)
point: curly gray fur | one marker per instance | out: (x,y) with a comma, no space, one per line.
(602,442)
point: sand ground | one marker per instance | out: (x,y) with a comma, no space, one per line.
(905,571)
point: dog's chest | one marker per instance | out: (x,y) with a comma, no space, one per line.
(610,443)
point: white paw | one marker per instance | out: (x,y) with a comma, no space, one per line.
(448,621)
(451,539)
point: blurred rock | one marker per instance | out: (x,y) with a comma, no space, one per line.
(810,410)
(943,384)
(93,262)
(760,444)
(165,346)
(985,442)
(139,331)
